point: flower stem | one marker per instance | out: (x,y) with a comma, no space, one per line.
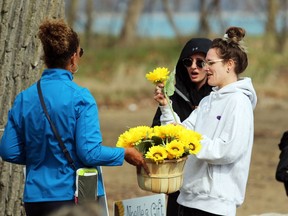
(170,106)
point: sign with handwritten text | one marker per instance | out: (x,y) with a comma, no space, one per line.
(154,205)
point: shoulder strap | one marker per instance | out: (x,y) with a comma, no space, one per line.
(62,145)
(185,98)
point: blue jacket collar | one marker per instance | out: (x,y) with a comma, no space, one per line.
(57,73)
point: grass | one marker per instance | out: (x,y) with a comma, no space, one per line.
(115,74)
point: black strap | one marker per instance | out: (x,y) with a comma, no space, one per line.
(185,98)
(62,145)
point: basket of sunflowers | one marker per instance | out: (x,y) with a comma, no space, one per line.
(165,149)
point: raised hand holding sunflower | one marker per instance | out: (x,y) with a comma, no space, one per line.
(164,81)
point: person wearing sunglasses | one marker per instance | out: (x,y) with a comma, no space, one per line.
(215,179)
(28,138)
(191,86)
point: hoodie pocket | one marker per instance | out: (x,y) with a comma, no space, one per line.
(198,186)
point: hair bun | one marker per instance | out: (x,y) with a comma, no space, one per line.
(235,34)
(54,33)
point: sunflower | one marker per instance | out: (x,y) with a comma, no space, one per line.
(163,142)
(133,136)
(157,153)
(175,149)
(191,140)
(168,131)
(194,146)
(186,135)
(158,75)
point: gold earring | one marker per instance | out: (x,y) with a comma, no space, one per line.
(76,70)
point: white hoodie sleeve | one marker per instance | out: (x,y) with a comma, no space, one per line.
(167,116)
(232,136)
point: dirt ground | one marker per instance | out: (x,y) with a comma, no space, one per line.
(264,194)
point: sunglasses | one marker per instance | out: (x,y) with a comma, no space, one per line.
(187,62)
(81,52)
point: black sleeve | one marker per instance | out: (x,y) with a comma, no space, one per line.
(284,141)
(156,119)
(282,167)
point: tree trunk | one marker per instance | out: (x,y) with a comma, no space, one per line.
(169,14)
(204,28)
(271,33)
(20,66)
(89,22)
(72,12)
(129,30)
(281,38)
(215,6)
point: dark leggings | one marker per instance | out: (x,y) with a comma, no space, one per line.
(185,211)
(45,208)
(172,205)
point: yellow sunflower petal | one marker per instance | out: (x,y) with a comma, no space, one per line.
(156,153)
(175,149)
(158,75)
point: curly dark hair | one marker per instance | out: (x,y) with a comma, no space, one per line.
(59,42)
(231,47)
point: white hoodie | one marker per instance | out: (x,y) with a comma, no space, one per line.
(215,179)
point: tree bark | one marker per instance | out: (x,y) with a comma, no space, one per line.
(20,66)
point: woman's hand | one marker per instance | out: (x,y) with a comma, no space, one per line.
(159,95)
(135,158)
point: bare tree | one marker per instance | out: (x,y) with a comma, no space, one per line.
(204,28)
(89,21)
(129,30)
(275,38)
(216,10)
(271,16)
(207,10)
(72,8)
(169,14)
(281,37)
(270,33)
(20,66)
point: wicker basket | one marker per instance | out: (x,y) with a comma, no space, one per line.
(165,177)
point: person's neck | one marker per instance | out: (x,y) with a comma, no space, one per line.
(233,78)
(200,84)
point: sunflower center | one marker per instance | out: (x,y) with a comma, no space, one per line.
(192,146)
(157,155)
(175,149)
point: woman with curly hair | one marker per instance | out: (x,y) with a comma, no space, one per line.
(29,139)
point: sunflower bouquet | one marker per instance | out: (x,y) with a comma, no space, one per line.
(163,75)
(165,148)
(166,142)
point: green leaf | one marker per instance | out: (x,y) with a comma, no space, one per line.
(157,140)
(169,87)
(144,146)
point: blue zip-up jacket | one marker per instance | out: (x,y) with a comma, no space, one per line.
(29,140)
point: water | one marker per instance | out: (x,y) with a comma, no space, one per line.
(157,25)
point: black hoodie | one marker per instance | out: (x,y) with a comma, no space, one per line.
(282,167)
(184,84)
